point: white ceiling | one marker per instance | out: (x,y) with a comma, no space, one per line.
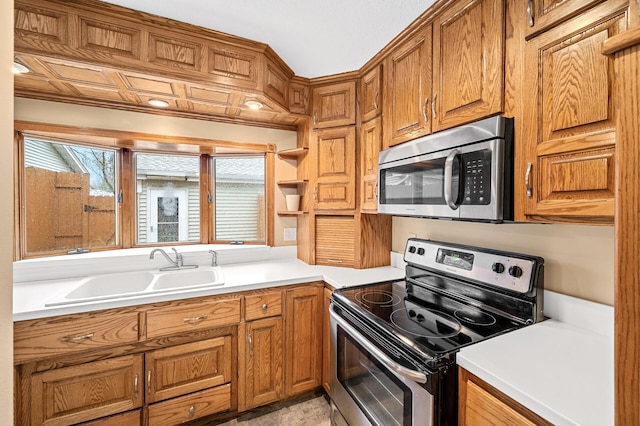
(314,37)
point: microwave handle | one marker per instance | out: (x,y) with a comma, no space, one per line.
(448,179)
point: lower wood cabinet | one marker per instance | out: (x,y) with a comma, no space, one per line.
(482,404)
(303,353)
(190,407)
(261,363)
(88,391)
(326,340)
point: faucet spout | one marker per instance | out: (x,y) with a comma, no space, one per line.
(166,256)
(175,264)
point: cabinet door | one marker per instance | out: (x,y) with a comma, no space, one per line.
(468,62)
(335,152)
(481,404)
(88,391)
(408,74)
(371,94)
(570,124)
(371,143)
(262,363)
(334,105)
(543,14)
(303,353)
(190,407)
(191,367)
(335,241)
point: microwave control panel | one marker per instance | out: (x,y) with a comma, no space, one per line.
(476,175)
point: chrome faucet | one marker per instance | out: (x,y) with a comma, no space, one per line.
(175,264)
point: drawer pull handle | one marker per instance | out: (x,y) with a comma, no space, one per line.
(265,307)
(196,319)
(375,102)
(425,109)
(527,181)
(77,338)
(335,260)
(192,409)
(433,106)
(149,381)
(135,386)
(250,345)
(530,12)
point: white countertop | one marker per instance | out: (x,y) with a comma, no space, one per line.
(30,297)
(561,368)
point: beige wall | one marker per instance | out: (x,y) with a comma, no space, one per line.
(6,224)
(76,115)
(579,260)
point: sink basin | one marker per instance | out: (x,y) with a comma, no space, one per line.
(189,278)
(110,285)
(130,284)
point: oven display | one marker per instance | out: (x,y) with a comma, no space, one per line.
(457,259)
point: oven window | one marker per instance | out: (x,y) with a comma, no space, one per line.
(384,399)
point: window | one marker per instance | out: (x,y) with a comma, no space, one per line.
(97,192)
(167,198)
(69,197)
(239,198)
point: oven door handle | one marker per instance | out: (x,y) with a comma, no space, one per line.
(416,376)
(448,180)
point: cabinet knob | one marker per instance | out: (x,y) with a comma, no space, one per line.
(265,307)
(192,409)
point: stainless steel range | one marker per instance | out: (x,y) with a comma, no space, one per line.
(394,343)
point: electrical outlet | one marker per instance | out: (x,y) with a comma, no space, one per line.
(289,234)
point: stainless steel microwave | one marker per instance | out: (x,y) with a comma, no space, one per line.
(464,173)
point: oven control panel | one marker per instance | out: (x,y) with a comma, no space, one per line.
(501,269)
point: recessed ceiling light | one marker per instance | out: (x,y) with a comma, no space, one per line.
(253,104)
(19,68)
(158,103)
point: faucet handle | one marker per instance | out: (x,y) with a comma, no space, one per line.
(179,259)
(214,257)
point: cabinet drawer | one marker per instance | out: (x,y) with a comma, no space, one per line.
(188,368)
(86,392)
(192,316)
(263,305)
(190,407)
(47,337)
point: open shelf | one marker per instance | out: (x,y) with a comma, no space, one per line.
(292,153)
(292,183)
(291,213)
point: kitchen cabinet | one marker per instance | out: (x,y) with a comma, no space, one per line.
(334,105)
(468,63)
(335,241)
(544,14)
(370,146)
(326,339)
(569,143)
(407,94)
(85,392)
(480,403)
(371,94)
(335,168)
(303,352)
(261,363)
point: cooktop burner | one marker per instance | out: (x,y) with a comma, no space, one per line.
(377,297)
(425,322)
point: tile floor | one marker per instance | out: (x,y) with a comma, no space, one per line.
(311,412)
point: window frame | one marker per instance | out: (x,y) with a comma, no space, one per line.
(127,144)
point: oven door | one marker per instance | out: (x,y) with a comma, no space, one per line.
(369,388)
(464,182)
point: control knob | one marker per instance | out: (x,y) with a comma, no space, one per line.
(497,268)
(420,251)
(412,249)
(515,271)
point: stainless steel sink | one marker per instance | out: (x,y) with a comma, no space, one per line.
(130,284)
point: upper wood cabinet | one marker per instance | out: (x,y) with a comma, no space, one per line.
(370,146)
(371,94)
(334,105)
(407,95)
(468,62)
(543,14)
(570,120)
(335,168)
